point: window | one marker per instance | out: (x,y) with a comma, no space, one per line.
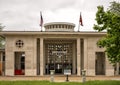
(19,43)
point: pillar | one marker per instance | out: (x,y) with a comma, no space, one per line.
(41,57)
(74,59)
(78,57)
(85,56)
(35,58)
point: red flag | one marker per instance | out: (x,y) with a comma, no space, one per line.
(80,20)
(41,19)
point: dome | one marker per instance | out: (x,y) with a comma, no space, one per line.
(59,26)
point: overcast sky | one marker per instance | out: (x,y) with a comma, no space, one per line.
(24,14)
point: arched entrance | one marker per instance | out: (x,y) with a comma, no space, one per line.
(58,55)
(19,63)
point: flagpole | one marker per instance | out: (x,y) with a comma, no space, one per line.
(78,27)
(80,22)
(40,20)
(41,28)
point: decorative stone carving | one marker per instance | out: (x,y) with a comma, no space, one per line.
(19,43)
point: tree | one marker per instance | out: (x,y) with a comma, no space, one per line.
(115,7)
(1,37)
(110,21)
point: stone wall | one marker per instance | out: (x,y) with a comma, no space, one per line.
(29,48)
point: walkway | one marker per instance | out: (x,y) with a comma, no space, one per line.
(57,78)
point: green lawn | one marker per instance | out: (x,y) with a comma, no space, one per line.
(58,83)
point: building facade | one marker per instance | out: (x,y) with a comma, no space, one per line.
(59,47)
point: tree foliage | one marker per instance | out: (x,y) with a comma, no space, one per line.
(110,21)
(1,37)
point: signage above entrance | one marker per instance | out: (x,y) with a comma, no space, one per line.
(59,52)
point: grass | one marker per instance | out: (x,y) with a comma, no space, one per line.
(58,83)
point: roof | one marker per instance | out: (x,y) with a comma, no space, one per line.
(52,33)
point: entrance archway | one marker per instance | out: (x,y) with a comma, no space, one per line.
(100,63)
(59,56)
(19,63)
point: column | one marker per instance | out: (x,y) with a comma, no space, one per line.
(85,56)
(78,57)
(74,59)
(41,57)
(35,57)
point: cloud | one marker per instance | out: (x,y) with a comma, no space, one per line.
(24,14)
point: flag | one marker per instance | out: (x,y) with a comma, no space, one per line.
(80,20)
(41,19)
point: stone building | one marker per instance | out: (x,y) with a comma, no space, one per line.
(59,47)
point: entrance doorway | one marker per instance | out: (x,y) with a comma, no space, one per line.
(19,63)
(58,56)
(2,63)
(100,63)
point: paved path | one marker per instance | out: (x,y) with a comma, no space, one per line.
(57,78)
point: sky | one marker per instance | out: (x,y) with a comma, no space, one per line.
(24,15)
